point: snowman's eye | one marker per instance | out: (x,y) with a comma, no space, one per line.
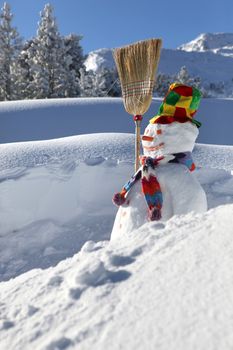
(147,138)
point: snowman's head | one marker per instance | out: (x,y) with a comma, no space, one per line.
(163,139)
(173,129)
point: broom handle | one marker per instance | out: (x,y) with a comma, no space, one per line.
(137,119)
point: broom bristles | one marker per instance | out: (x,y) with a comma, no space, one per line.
(137,64)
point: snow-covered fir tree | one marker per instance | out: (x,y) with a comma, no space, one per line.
(112,82)
(50,69)
(75,52)
(184,77)
(74,59)
(24,69)
(100,84)
(164,80)
(216,89)
(10,45)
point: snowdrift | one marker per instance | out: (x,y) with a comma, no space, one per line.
(56,195)
(49,119)
(164,287)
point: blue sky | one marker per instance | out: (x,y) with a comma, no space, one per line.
(113,23)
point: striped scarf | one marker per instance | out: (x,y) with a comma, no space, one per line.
(150,184)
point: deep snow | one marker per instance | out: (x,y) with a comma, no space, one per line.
(164,286)
(55,118)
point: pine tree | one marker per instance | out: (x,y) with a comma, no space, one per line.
(23,71)
(50,70)
(75,52)
(184,77)
(74,60)
(111,83)
(86,82)
(102,83)
(10,45)
(162,84)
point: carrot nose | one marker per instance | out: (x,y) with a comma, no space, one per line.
(147,138)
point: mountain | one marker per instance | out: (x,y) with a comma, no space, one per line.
(204,57)
(99,59)
(207,65)
(219,43)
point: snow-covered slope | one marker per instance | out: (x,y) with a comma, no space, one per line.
(205,64)
(64,285)
(48,119)
(204,56)
(164,286)
(55,195)
(220,43)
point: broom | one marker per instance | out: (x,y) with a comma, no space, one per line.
(137,64)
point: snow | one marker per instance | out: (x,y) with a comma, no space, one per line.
(56,118)
(164,286)
(205,57)
(205,64)
(64,284)
(99,59)
(220,43)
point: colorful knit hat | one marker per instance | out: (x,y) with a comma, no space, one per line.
(180,104)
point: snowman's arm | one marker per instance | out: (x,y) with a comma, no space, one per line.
(119,198)
(137,176)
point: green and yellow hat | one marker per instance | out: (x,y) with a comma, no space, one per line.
(180,104)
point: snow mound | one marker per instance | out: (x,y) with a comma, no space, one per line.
(56,195)
(165,286)
(220,43)
(55,118)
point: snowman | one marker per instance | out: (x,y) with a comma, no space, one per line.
(165,184)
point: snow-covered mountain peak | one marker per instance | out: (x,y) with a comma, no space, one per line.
(221,43)
(99,59)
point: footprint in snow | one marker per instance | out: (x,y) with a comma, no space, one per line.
(32,310)
(97,275)
(60,344)
(120,260)
(6,324)
(55,281)
(94,161)
(75,293)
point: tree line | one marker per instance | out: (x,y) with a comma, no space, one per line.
(47,66)
(50,65)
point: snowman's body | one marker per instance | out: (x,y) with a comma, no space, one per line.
(181,190)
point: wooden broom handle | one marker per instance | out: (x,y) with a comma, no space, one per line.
(137,119)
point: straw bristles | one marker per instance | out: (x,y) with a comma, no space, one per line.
(137,65)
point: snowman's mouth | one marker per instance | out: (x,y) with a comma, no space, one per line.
(147,138)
